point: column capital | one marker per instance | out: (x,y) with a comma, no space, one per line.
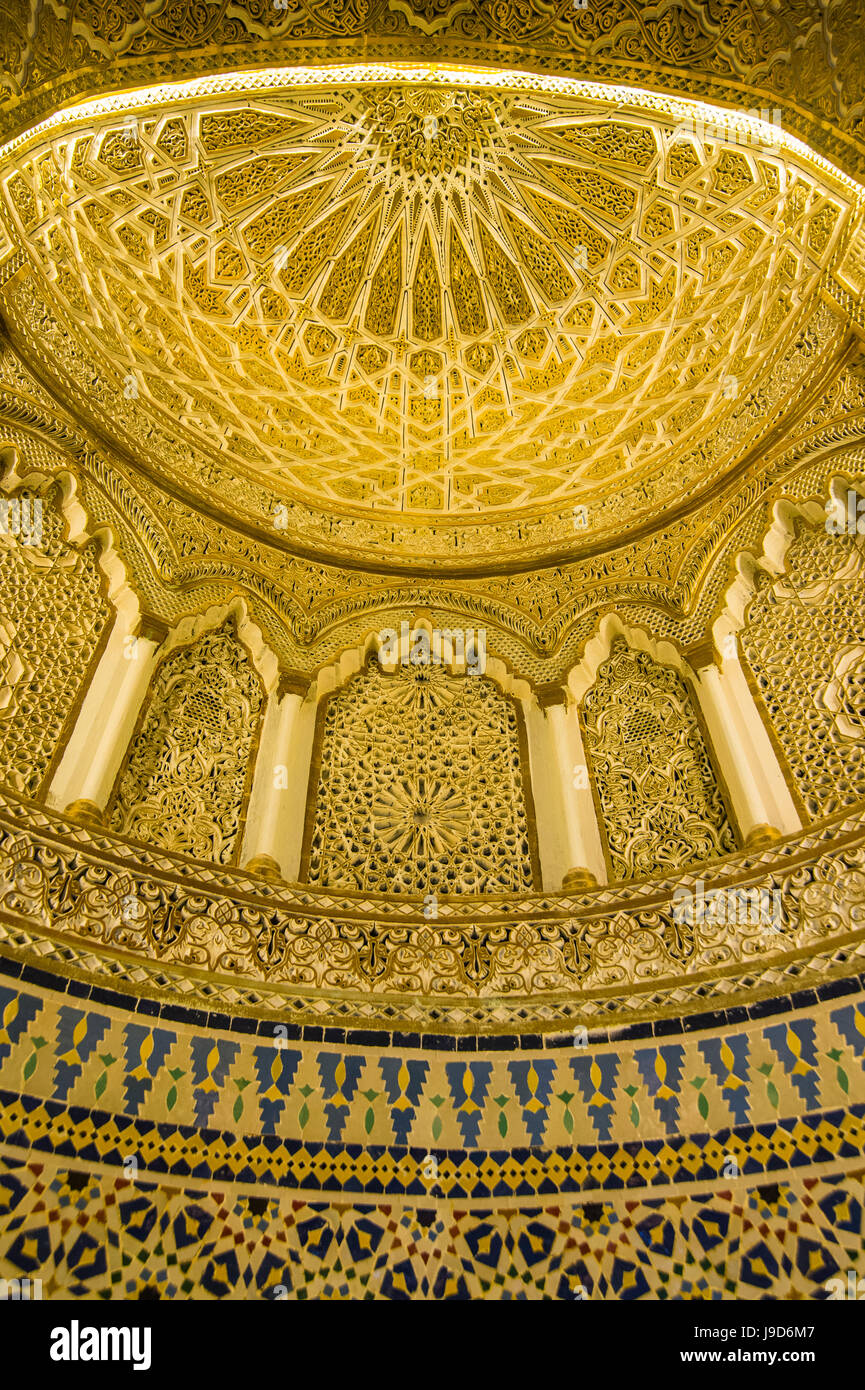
(551,694)
(701,654)
(292,683)
(151,628)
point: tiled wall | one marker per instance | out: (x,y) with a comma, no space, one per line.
(91,1234)
(510,1167)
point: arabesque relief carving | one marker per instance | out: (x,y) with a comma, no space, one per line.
(532,960)
(661,804)
(672,582)
(803,640)
(406,547)
(53,612)
(182,784)
(525,336)
(421,788)
(432,684)
(740,52)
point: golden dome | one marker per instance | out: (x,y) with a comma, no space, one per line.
(491,312)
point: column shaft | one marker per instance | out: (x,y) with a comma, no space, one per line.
(106,720)
(761,799)
(569,842)
(582,834)
(278,782)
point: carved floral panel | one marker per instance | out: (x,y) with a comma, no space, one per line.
(421,787)
(182,784)
(804,640)
(52,615)
(661,804)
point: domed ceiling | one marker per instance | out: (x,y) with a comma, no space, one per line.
(473,309)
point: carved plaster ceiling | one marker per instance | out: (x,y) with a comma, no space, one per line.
(410,299)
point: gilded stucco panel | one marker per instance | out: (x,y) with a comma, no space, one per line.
(53,614)
(421,786)
(660,799)
(804,640)
(184,777)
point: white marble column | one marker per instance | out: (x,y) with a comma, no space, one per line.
(762,802)
(277,804)
(569,841)
(91,760)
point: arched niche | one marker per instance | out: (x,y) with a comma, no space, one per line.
(794,616)
(661,798)
(66,592)
(419,779)
(192,626)
(185,779)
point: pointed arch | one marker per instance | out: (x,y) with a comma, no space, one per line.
(194,625)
